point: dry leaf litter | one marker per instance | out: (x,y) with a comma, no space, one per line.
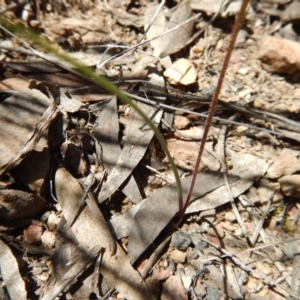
(88,201)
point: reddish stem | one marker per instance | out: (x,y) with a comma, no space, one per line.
(214,102)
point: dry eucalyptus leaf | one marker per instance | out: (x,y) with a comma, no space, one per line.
(16,204)
(40,128)
(137,139)
(87,227)
(182,72)
(34,168)
(106,132)
(18,116)
(69,103)
(248,166)
(91,231)
(219,196)
(157,211)
(175,40)
(10,274)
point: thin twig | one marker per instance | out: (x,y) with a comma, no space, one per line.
(223,121)
(145,42)
(228,187)
(247,269)
(153,19)
(214,102)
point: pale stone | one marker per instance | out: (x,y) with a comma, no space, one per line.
(279,55)
(182,72)
(181,122)
(178,255)
(290,185)
(53,221)
(48,239)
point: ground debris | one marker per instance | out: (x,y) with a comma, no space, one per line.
(87,195)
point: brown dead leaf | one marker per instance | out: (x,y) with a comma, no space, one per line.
(137,139)
(10,274)
(39,128)
(106,132)
(157,211)
(18,116)
(91,231)
(219,196)
(175,40)
(33,170)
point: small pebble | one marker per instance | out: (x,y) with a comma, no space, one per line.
(48,239)
(181,122)
(178,255)
(216,231)
(180,240)
(32,234)
(290,185)
(53,221)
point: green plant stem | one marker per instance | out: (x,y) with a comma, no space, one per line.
(214,102)
(34,39)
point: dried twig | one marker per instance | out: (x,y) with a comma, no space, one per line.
(224,170)
(214,102)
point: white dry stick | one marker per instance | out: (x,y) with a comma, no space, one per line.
(224,170)
(153,19)
(258,226)
(250,271)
